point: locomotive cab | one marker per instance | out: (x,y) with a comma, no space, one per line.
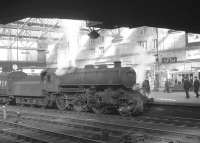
(49,80)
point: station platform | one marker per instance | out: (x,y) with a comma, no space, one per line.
(175,98)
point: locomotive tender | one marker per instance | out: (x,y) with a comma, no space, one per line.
(94,89)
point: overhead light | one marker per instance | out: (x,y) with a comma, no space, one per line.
(93,34)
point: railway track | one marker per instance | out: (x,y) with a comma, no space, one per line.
(112,129)
(115,131)
(174,110)
(9,139)
(173,119)
(28,133)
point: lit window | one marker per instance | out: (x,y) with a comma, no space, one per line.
(101,49)
(101,39)
(142,31)
(155,43)
(48,78)
(2,83)
(143,44)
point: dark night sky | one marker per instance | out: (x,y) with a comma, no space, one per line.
(174,14)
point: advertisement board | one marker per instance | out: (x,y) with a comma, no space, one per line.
(193,54)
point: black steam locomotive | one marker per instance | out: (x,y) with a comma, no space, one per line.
(93,88)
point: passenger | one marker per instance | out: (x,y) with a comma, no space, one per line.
(191,82)
(196,86)
(186,86)
(167,86)
(176,82)
(146,87)
(42,75)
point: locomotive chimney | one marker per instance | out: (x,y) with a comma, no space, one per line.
(117,64)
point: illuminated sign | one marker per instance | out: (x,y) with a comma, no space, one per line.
(193,37)
(169,59)
(193,54)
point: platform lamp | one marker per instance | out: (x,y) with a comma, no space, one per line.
(156,83)
(157,75)
(93,34)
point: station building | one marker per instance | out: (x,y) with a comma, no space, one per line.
(158,53)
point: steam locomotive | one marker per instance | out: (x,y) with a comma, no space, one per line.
(97,89)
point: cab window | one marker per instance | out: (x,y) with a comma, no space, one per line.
(48,78)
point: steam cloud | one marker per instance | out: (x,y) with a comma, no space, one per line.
(76,43)
(143,60)
(67,56)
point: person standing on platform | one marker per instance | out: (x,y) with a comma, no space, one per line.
(196,86)
(146,87)
(191,82)
(187,85)
(167,86)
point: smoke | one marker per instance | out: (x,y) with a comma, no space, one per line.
(68,55)
(62,71)
(77,42)
(109,47)
(143,60)
(71,29)
(51,55)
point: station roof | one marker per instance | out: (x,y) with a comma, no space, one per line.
(172,14)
